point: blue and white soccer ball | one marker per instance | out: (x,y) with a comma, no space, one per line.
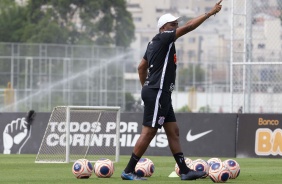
(104,168)
(145,167)
(233,167)
(213,160)
(218,172)
(82,169)
(200,165)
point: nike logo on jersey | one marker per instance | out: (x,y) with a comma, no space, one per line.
(191,138)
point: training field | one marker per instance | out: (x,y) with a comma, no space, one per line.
(22,169)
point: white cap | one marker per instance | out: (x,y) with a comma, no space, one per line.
(165,19)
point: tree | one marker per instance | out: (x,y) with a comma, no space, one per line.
(129,101)
(279,3)
(12,19)
(205,109)
(64,21)
(185,108)
(29,24)
(187,76)
(108,22)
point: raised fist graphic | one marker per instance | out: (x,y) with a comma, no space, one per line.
(17,133)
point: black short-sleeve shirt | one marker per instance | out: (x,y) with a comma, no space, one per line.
(161,57)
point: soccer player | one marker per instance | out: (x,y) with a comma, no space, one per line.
(157,72)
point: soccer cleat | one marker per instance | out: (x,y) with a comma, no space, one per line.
(193,175)
(131,176)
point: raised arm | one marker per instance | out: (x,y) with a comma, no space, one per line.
(194,23)
(143,71)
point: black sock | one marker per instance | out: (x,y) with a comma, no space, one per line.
(131,164)
(180,160)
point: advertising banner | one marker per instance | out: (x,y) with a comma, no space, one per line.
(17,136)
(259,135)
(212,135)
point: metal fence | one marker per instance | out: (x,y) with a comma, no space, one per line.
(244,72)
(57,75)
(43,76)
(256,56)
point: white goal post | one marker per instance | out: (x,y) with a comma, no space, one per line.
(75,132)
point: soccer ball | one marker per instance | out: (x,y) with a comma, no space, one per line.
(176,168)
(145,167)
(200,165)
(233,167)
(213,160)
(82,168)
(218,172)
(104,168)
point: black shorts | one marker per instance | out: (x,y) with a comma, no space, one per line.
(158,108)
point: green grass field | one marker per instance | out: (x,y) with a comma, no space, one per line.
(22,169)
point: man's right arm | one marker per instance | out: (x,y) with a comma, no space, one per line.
(143,71)
(194,23)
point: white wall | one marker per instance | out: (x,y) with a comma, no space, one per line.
(222,101)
